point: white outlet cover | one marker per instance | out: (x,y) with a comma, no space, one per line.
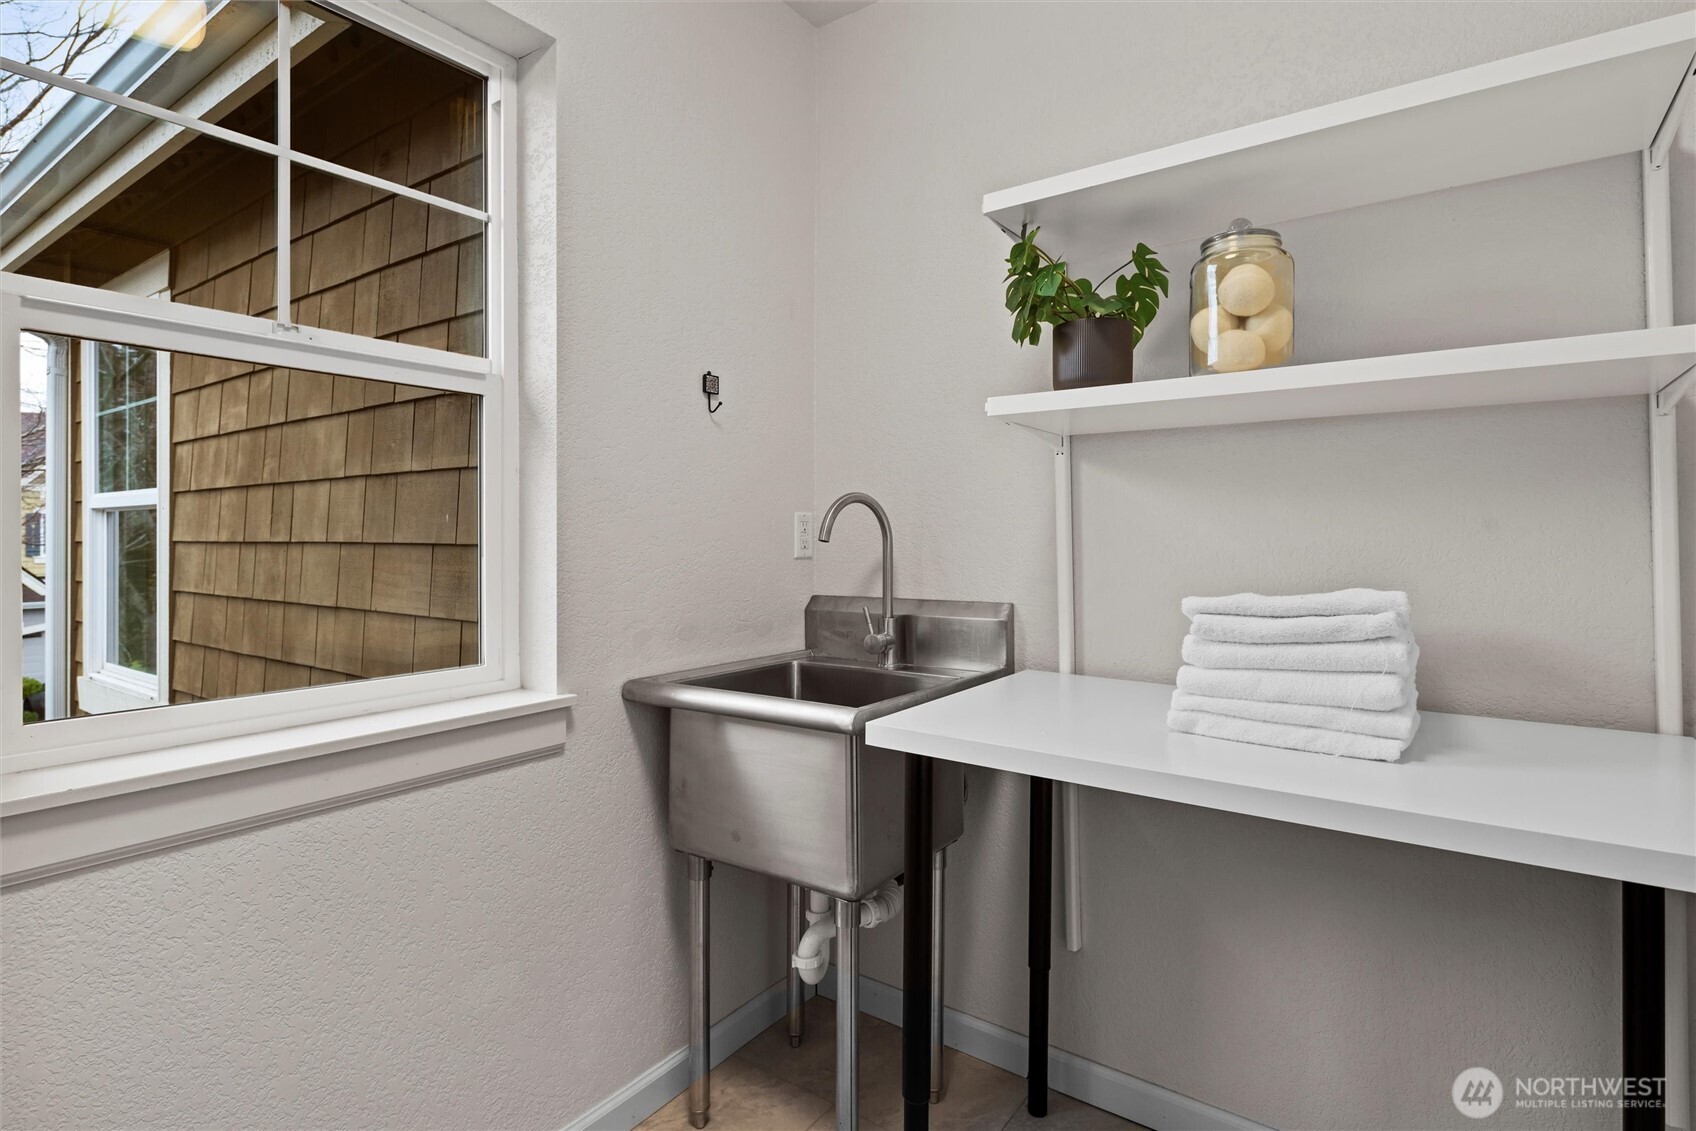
(803,534)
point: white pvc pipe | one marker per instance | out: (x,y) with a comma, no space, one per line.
(812,956)
(1071,854)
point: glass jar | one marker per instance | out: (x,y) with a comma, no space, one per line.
(1242,302)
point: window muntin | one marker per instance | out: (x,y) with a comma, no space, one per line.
(212,333)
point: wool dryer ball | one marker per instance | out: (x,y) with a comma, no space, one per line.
(1200,329)
(1238,350)
(1248,289)
(1274,325)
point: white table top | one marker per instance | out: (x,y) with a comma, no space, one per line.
(1618,804)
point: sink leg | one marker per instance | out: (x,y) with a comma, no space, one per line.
(847,1015)
(797,1000)
(939,866)
(700,1017)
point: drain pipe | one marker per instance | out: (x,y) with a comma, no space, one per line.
(812,956)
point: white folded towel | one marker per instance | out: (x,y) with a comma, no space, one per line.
(1299,630)
(1288,737)
(1399,724)
(1364,691)
(1343,602)
(1395,656)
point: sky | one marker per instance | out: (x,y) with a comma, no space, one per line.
(33,365)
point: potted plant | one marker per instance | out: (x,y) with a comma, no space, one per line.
(1094,334)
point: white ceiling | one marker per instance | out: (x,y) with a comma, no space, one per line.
(821,12)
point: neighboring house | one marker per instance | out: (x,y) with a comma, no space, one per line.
(33,468)
(316,528)
(35,627)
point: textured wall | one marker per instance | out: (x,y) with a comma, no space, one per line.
(1301,978)
(504,951)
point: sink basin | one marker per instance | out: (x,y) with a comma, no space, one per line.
(770,770)
(838,683)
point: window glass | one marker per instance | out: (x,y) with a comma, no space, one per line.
(378,105)
(90,193)
(128,412)
(204,210)
(184,55)
(321,528)
(135,618)
(39,355)
(385,266)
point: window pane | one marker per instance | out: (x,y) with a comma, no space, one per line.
(322,529)
(40,357)
(374,103)
(198,226)
(183,55)
(135,620)
(128,415)
(384,266)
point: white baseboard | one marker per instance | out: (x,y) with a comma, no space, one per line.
(1095,1084)
(655,1088)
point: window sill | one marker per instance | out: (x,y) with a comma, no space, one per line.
(63,817)
(103,694)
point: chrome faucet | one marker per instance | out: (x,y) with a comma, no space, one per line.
(880,644)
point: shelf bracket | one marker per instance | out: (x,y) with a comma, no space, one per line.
(1674,391)
(1668,128)
(1054,440)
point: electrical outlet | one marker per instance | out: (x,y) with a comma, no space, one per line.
(803,534)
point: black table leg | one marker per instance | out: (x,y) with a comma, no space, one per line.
(915,939)
(1643,989)
(1041,940)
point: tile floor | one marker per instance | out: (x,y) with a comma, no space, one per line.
(768,1086)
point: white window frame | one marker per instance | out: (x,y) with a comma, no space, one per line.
(91,314)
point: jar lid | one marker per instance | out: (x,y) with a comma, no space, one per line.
(1239,227)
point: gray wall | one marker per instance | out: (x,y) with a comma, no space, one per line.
(1301,978)
(504,951)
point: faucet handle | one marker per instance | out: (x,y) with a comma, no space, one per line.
(876,642)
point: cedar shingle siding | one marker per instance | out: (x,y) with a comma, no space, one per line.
(325,527)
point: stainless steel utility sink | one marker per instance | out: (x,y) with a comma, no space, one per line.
(837,683)
(770,770)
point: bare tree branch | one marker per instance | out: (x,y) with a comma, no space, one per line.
(55,37)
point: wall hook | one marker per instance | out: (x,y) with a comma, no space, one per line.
(709,388)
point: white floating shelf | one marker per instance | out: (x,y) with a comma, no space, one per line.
(1611,803)
(1577,101)
(1630,362)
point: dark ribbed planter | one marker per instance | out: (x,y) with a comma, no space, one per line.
(1093,351)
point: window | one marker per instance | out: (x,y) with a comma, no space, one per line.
(125,584)
(255,312)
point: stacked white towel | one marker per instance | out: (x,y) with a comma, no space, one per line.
(1331,673)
